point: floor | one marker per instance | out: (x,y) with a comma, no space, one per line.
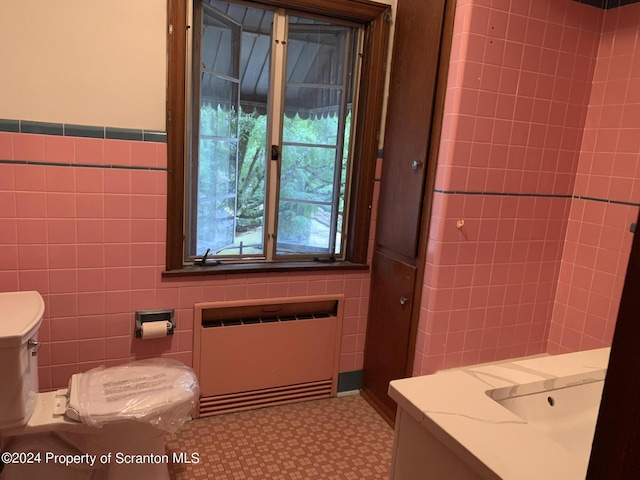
(337,438)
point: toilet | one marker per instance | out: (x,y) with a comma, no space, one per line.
(108,424)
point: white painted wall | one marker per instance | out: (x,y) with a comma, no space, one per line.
(85,62)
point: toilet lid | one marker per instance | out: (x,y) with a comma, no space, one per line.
(20,317)
(153,390)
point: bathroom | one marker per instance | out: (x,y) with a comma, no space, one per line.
(92,241)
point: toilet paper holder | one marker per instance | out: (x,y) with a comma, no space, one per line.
(164,315)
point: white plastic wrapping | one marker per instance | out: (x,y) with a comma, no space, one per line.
(157,391)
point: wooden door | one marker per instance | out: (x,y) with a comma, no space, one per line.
(398,258)
(387,339)
(409,116)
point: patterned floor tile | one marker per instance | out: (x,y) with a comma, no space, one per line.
(334,439)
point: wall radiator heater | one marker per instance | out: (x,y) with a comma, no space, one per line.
(252,354)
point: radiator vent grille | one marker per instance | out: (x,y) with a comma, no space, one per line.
(234,322)
(253,354)
(238,402)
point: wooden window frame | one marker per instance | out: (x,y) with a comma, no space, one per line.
(375,20)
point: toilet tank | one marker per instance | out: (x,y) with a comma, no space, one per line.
(20,318)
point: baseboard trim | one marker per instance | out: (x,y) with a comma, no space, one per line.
(348,381)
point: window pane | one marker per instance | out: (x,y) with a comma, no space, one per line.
(218,103)
(216,195)
(306,199)
(316,52)
(220,42)
(303,228)
(234,90)
(315,137)
(310,173)
(238,220)
(251,185)
(312,115)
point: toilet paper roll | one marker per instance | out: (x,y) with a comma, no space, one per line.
(154,329)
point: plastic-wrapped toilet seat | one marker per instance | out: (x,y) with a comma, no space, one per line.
(160,392)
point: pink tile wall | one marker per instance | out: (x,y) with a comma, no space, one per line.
(517,94)
(598,238)
(592,273)
(608,166)
(91,240)
(490,283)
(516,105)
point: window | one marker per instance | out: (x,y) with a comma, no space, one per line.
(271,156)
(272,103)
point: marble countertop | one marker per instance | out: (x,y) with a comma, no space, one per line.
(455,407)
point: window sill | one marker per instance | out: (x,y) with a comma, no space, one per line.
(224,269)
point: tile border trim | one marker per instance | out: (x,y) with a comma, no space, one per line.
(541,195)
(81,165)
(607,4)
(86,131)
